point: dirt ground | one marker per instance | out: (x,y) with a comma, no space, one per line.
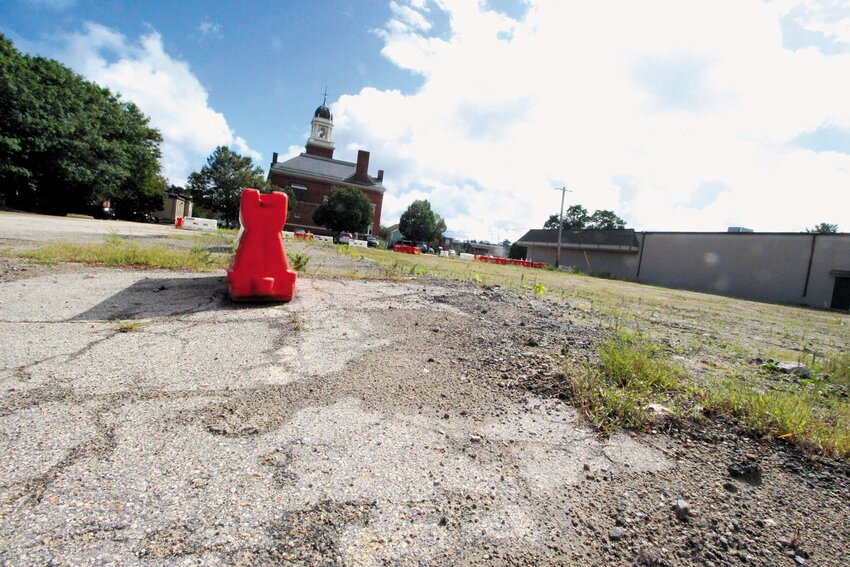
(147,420)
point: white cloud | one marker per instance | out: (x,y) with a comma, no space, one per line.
(163,87)
(640,107)
(209,29)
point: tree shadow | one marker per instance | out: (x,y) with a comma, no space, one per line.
(166,297)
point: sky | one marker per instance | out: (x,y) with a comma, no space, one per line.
(677,115)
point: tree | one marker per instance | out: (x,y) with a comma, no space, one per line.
(384,232)
(517,252)
(824,228)
(346,209)
(149,197)
(218,186)
(420,223)
(603,219)
(266,186)
(66,143)
(439,227)
(577,218)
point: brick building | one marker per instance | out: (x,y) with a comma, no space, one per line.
(313,173)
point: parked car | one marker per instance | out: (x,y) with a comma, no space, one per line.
(107,213)
(142,217)
(344,238)
(372,242)
(98,211)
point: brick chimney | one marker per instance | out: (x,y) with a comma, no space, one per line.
(274,158)
(362,174)
(380,175)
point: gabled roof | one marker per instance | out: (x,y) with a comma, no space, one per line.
(622,239)
(326,169)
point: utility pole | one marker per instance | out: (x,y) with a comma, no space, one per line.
(563,191)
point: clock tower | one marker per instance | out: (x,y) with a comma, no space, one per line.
(321,142)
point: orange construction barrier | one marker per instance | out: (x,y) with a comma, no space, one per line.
(259,271)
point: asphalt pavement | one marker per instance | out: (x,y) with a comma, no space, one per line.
(148,420)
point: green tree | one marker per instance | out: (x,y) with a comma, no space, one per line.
(517,252)
(577,218)
(345,209)
(420,223)
(824,228)
(439,227)
(384,232)
(603,219)
(266,186)
(149,197)
(218,186)
(66,143)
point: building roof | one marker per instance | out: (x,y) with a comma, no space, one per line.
(622,239)
(326,169)
(323,112)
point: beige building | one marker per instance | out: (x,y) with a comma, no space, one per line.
(175,206)
(796,268)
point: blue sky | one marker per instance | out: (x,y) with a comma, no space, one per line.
(678,116)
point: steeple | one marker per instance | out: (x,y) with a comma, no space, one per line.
(321,141)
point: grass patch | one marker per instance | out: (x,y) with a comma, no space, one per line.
(801,417)
(630,375)
(837,366)
(116,252)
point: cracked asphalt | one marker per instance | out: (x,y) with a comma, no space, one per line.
(347,426)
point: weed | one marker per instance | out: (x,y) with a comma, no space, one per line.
(539,289)
(298,261)
(297,323)
(630,375)
(112,239)
(128,326)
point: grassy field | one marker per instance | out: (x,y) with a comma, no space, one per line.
(694,353)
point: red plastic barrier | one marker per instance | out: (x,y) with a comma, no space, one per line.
(259,271)
(538,264)
(178,223)
(407,249)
